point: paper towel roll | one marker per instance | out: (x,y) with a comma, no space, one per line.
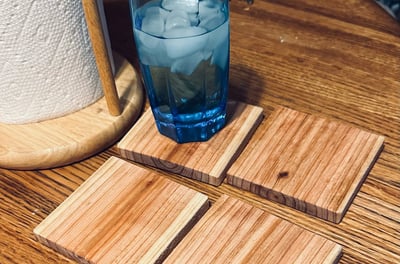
(47,66)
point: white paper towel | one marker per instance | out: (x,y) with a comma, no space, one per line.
(47,66)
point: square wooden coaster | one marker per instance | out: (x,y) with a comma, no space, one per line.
(235,232)
(203,161)
(309,163)
(122,214)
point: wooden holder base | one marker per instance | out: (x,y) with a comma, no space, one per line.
(306,162)
(122,214)
(203,161)
(76,136)
(235,232)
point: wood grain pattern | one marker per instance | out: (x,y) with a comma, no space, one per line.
(76,136)
(203,161)
(122,214)
(309,163)
(100,51)
(335,59)
(235,232)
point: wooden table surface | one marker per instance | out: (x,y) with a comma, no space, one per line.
(336,59)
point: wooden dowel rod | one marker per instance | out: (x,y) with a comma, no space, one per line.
(102,59)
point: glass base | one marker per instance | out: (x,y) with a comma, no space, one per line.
(183,133)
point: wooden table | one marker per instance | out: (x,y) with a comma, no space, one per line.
(336,59)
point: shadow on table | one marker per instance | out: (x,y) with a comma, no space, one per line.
(240,80)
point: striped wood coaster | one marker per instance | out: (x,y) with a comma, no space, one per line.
(203,161)
(306,162)
(235,232)
(122,214)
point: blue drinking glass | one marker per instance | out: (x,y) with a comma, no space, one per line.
(183,50)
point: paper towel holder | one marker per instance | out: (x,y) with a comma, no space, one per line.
(79,135)
(71,138)
(96,35)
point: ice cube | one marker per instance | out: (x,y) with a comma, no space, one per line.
(190,6)
(179,42)
(151,50)
(177,18)
(218,44)
(188,64)
(155,10)
(145,40)
(183,32)
(154,21)
(153,57)
(212,21)
(220,58)
(194,19)
(207,54)
(208,8)
(218,36)
(186,87)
